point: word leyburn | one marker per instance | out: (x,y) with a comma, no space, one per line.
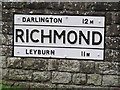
(56,36)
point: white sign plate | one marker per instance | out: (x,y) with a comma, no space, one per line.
(57,36)
(54,20)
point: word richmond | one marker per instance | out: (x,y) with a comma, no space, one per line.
(52,36)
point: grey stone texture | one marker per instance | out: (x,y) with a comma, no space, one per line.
(87,66)
(113,30)
(102,6)
(106,67)
(4,74)
(0,75)
(61,77)
(6,50)
(7,28)
(64,65)
(68,65)
(2,39)
(41,76)
(2,61)
(8,83)
(115,88)
(19,85)
(112,42)
(112,55)
(95,88)
(35,64)
(52,64)
(18,74)
(42,86)
(110,80)
(13,62)
(79,78)
(69,87)
(94,79)
(61,73)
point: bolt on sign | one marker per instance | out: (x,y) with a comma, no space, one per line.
(59,36)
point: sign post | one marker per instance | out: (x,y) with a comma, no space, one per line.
(58,36)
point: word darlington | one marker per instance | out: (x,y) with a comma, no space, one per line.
(42,19)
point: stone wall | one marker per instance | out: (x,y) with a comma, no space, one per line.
(62,73)
(0,44)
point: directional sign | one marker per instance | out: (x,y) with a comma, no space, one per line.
(59,36)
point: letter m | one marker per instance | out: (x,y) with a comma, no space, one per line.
(62,34)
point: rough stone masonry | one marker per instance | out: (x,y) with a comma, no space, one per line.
(62,73)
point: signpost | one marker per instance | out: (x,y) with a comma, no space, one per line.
(59,36)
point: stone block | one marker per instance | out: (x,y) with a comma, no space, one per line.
(112,55)
(2,61)
(41,76)
(93,13)
(0,14)
(68,87)
(55,6)
(104,6)
(64,65)
(110,80)
(112,42)
(42,86)
(94,79)
(5,74)
(109,20)
(35,64)
(19,74)
(6,50)
(89,6)
(37,5)
(80,6)
(79,78)
(0,23)
(112,18)
(113,30)
(95,88)
(8,16)
(87,66)
(106,67)
(3,39)
(0,29)
(114,88)
(8,5)
(68,65)
(9,40)
(119,69)
(53,64)
(61,77)
(0,75)
(69,12)
(117,17)
(21,85)
(7,28)
(7,83)
(13,62)
(6,39)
